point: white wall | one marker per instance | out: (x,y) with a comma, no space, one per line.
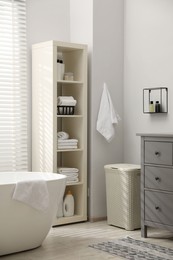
(103,32)
(148,62)
(81,22)
(46,20)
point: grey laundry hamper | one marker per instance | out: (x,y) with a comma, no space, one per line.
(123,195)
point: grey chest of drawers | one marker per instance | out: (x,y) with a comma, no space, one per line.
(156,181)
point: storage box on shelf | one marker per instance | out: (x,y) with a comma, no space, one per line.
(48,120)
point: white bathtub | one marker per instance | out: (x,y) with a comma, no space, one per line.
(21,226)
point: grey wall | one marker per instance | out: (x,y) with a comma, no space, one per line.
(107,67)
(102,30)
(148,62)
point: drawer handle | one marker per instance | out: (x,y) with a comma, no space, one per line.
(157,154)
(157,179)
(157,208)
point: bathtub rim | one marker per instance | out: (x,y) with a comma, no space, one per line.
(7,178)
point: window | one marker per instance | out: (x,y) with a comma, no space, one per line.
(13,86)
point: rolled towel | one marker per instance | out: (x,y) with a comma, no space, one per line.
(33,193)
(62,135)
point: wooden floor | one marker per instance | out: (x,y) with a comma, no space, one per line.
(70,242)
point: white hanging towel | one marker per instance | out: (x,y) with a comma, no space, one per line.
(106,116)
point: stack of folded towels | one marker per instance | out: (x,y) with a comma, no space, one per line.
(71,173)
(64,142)
(66,101)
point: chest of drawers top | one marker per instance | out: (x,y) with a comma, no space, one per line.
(159,135)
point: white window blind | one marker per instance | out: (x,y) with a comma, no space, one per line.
(13,86)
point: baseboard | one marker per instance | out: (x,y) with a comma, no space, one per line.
(97,219)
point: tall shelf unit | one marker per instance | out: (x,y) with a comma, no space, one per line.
(46,122)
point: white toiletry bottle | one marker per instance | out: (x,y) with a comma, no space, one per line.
(68,205)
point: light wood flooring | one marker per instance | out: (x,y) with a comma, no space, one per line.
(70,242)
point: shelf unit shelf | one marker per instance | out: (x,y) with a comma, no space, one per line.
(69,82)
(69,150)
(74,184)
(77,116)
(46,123)
(69,220)
(155,100)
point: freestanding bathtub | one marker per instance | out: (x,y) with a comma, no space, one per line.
(21,226)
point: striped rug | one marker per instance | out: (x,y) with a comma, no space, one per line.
(133,249)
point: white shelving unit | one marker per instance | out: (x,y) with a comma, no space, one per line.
(46,123)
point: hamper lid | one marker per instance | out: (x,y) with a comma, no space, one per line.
(124,166)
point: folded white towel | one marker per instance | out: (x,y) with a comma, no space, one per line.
(62,135)
(65,98)
(33,193)
(67,147)
(66,101)
(67,144)
(67,141)
(71,174)
(106,116)
(67,169)
(72,180)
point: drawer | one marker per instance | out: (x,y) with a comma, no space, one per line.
(158,153)
(159,178)
(159,207)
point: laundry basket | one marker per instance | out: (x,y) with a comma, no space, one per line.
(123,195)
